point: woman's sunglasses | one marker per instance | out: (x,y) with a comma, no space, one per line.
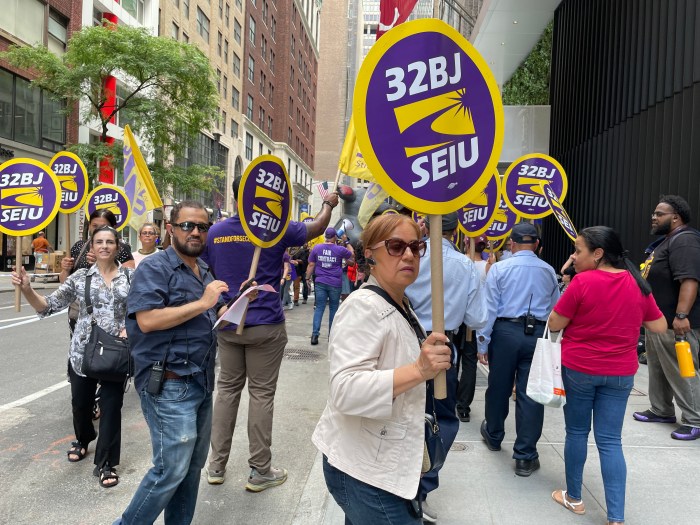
(397,247)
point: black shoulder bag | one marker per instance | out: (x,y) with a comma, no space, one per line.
(434,452)
(107,356)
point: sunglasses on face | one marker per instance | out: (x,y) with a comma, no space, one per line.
(188,226)
(397,247)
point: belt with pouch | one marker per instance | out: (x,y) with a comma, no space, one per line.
(520,320)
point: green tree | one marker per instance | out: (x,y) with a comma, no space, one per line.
(168,95)
(529,85)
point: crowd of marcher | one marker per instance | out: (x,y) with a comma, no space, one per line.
(383,352)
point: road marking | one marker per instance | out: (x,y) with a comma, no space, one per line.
(17,319)
(34,320)
(34,396)
(6,307)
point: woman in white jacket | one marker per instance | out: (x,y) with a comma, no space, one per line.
(371,433)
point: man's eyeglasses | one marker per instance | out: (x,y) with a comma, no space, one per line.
(148,234)
(397,247)
(657,214)
(188,226)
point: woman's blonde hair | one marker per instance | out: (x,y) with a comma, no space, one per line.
(380,228)
(155,228)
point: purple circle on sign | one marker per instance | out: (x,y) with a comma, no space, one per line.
(113,199)
(29,196)
(71,175)
(476,216)
(523,185)
(265,199)
(503,222)
(434,130)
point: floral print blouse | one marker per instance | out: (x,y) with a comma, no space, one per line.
(109,307)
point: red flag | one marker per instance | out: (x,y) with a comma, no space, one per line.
(393,13)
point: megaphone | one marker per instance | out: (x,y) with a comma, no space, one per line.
(345,226)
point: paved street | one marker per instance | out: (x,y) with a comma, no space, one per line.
(39,486)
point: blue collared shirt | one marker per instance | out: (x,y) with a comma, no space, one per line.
(510,285)
(164,280)
(462,289)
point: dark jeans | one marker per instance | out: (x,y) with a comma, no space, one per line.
(510,356)
(448,423)
(365,504)
(325,293)
(467,380)
(108,448)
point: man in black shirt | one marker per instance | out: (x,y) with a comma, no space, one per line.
(673,271)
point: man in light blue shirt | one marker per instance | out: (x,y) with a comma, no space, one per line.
(519,292)
(463,304)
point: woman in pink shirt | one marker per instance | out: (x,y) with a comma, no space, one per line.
(602,310)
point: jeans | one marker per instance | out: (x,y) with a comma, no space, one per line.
(365,504)
(325,293)
(605,399)
(284,293)
(179,419)
(467,379)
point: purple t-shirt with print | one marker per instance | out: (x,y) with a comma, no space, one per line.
(229,253)
(329,263)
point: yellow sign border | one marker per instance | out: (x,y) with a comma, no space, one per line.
(376,52)
(564,190)
(51,216)
(119,190)
(81,201)
(241,196)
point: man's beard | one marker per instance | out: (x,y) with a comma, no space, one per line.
(661,229)
(185,249)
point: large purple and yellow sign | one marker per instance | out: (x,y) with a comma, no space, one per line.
(559,212)
(476,216)
(264,201)
(30,196)
(72,176)
(428,116)
(112,198)
(522,184)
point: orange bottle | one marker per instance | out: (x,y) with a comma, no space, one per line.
(685,357)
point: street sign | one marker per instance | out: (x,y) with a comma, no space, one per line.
(522,184)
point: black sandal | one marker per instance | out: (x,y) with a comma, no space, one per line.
(76,449)
(106,473)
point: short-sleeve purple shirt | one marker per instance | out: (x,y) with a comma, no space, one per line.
(229,253)
(329,263)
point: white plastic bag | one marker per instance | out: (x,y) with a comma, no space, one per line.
(544,384)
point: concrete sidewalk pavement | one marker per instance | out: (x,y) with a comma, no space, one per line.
(480,487)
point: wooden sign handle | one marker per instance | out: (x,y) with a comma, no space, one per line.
(251,274)
(67,234)
(18,265)
(438,294)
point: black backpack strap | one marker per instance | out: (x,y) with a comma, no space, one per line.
(88,300)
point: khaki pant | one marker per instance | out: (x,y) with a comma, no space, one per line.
(665,381)
(255,356)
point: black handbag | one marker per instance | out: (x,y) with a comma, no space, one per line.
(434,452)
(107,357)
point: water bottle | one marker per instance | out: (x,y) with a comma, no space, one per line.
(685,357)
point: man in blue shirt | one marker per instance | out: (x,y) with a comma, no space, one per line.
(463,304)
(172,307)
(520,293)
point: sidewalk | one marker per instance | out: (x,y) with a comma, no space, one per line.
(40,282)
(480,487)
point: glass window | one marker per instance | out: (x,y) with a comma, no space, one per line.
(274,28)
(236,30)
(234,128)
(260,148)
(27,112)
(263,47)
(6,118)
(58,34)
(248,146)
(251,69)
(235,98)
(221,8)
(186,8)
(226,51)
(219,43)
(249,108)
(224,118)
(175,31)
(261,118)
(24,19)
(185,38)
(269,126)
(272,61)
(237,65)
(228,15)
(225,87)
(251,30)
(202,25)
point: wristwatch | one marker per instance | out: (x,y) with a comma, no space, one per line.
(681,315)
